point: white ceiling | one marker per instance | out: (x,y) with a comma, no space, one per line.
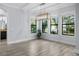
(16,5)
(26,5)
(38,6)
(47,5)
(33,6)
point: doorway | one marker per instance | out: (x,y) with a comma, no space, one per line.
(3,26)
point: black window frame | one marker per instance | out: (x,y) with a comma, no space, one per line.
(73,24)
(53,25)
(34,25)
(44,25)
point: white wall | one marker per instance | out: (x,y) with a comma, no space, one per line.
(15,25)
(27,28)
(77,28)
(18,25)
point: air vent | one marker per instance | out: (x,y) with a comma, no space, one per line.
(42,4)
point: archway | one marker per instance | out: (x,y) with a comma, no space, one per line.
(3,25)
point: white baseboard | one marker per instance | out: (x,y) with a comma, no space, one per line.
(69,43)
(18,41)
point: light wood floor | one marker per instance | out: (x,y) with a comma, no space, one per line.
(36,48)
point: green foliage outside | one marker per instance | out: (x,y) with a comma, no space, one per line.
(44,26)
(33,26)
(54,26)
(69,22)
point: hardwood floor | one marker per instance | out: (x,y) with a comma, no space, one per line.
(36,48)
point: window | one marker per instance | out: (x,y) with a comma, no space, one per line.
(68,25)
(54,25)
(3,23)
(33,26)
(3,20)
(44,26)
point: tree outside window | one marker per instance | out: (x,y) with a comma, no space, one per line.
(44,26)
(68,25)
(33,26)
(54,25)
